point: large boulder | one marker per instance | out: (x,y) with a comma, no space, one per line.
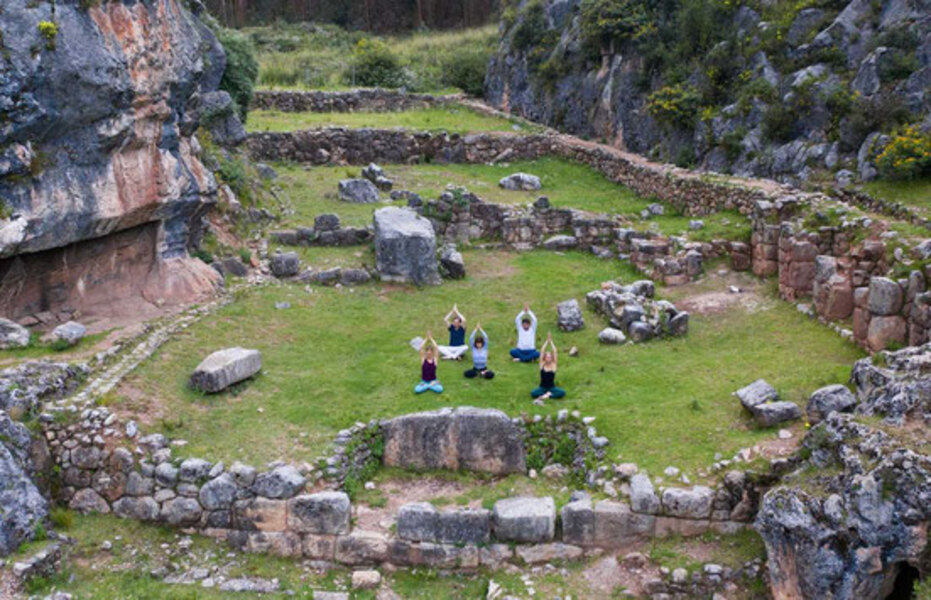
(405,247)
(358,191)
(569,315)
(520,182)
(69,333)
(285,264)
(13,335)
(22,506)
(126,191)
(452,262)
(829,399)
(885,297)
(473,439)
(224,368)
(525,519)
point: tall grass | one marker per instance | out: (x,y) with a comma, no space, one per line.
(308,56)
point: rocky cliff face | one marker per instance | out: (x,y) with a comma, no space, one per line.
(752,89)
(852,519)
(22,506)
(100,180)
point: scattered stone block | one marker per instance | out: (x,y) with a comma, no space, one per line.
(69,333)
(285,264)
(520,182)
(610,335)
(224,368)
(832,398)
(694,503)
(405,247)
(525,519)
(13,335)
(358,191)
(321,513)
(569,315)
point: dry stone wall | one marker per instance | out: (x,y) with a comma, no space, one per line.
(287,511)
(686,191)
(370,100)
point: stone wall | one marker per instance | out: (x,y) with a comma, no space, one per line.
(368,100)
(689,192)
(288,511)
(843,270)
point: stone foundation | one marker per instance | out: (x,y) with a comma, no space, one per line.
(368,100)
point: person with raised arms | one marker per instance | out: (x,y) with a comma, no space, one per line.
(478,342)
(428,354)
(548,364)
(455,323)
(526,350)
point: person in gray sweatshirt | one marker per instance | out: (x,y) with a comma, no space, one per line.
(478,342)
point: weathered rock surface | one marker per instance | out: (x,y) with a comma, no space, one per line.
(122,167)
(529,520)
(24,387)
(763,402)
(569,315)
(610,335)
(853,512)
(285,264)
(632,310)
(451,262)
(520,182)
(829,399)
(405,247)
(13,335)
(224,368)
(69,333)
(467,438)
(321,513)
(22,506)
(358,191)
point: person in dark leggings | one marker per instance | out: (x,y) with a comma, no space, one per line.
(478,341)
(548,363)
(428,380)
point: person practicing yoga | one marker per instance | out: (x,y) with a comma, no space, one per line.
(526,350)
(455,322)
(428,353)
(478,341)
(548,387)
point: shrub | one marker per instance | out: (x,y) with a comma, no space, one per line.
(897,64)
(881,112)
(779,123)
(907,156)
(49,31)
(467,71)
(674,105)
(531,26)
(61,518)
(604,22)
(242,69)
(374,65)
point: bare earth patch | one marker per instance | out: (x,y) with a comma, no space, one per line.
(606,575)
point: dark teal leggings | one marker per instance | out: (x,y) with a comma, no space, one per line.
(555,392)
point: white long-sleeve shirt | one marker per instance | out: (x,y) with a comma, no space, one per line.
(526,338)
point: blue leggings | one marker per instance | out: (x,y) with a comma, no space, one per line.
(525,355)
(555,392)
(423,386)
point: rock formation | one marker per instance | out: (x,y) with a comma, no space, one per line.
(851,519)
(102,187)
(750,96)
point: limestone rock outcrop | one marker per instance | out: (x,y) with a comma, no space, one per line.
(102,187)
(405,247)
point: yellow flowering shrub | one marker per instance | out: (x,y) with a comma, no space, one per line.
(907,156)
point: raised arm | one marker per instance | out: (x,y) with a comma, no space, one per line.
(472,338)
(533,319)
(549,338)
(449,316)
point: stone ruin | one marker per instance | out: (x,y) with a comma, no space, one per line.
(633,313)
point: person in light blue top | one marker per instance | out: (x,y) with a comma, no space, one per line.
(478,342)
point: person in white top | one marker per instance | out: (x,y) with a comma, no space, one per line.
(526,350)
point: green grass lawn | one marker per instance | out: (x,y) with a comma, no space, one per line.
(453,119)
(313,191)
(914,193)
(340,356)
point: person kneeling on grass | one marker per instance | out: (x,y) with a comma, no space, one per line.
(478,341)
(526,350)
(428,381)
(548,387)
(455,322)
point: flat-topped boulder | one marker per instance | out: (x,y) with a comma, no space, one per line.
(525,519)
(224,368)
(13,335)
(69,333)
(474,439)
(763,402)
(520,182)
(405,247)
(358,191)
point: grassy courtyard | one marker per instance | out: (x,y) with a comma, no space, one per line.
(313,191)
(342,355)
(455,118)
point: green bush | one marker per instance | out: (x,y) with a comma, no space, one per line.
(467,71)
(242,69)
(779,123)
(897,64)
(49,31)
(882,112)
(674,105)
(907,156)
(605,22)
(375,65)
(531,26)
